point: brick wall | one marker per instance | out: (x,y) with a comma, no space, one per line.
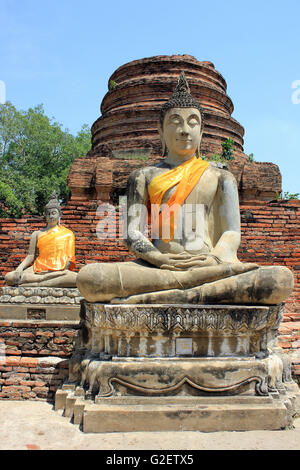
(270,235)
(38,338)
(28,378)
(34,357)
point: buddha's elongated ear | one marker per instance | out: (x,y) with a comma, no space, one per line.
(198,151)
(163,143)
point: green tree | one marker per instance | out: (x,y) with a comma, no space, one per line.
(227,149)
(35,158)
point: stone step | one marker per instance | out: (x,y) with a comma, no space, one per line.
(176,413)
(205,417)
(184,400)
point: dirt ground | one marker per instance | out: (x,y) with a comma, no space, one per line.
(35,425)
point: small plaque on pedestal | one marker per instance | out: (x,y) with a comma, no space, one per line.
(184,346)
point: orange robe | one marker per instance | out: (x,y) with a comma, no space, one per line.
(186,176)
(56,247)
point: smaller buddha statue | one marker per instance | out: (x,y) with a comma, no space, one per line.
(51,255)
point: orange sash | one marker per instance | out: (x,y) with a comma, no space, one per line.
(186,176)
(56,247)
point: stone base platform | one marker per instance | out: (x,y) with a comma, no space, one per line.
(164,394)
(40,303)
(178,367)
(180,413)
(40,295)
(39,312)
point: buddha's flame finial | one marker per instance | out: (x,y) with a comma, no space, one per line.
(182,86)
(53,202)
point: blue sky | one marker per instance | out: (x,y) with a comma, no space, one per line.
(62,52)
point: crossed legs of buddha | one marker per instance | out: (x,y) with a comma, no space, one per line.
(139,282)
(50,279)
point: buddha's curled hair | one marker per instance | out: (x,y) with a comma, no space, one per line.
(181,98)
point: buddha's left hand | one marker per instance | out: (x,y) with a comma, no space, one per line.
(195,261)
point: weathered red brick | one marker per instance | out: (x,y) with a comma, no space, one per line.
(11,361)
(48,334)
(28,362)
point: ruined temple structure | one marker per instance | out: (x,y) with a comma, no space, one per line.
(125,136)
(38,340)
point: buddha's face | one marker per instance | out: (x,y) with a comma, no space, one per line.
(52,216)
(181,131)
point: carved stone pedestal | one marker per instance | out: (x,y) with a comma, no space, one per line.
(179,367)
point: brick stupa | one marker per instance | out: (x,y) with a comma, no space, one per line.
(125,136)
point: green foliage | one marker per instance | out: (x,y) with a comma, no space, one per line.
(35,158)
(227,149)
(216,157)
(286,196)
(251,157)
(227,153)
(112,85)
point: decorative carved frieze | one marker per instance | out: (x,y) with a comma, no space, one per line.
(180,318)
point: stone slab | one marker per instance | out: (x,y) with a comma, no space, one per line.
(78,411)
(204,416)
(62,395)
(70,402)
(44,312)
(60,399)
(179,413)
(185,400)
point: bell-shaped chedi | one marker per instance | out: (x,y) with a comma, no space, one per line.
(126,136)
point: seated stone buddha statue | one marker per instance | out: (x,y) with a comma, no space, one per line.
(191,255)
(51,255)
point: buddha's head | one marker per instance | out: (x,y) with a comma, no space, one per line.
(181,122)
(53,211)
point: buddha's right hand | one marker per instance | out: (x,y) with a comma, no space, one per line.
(167,260)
